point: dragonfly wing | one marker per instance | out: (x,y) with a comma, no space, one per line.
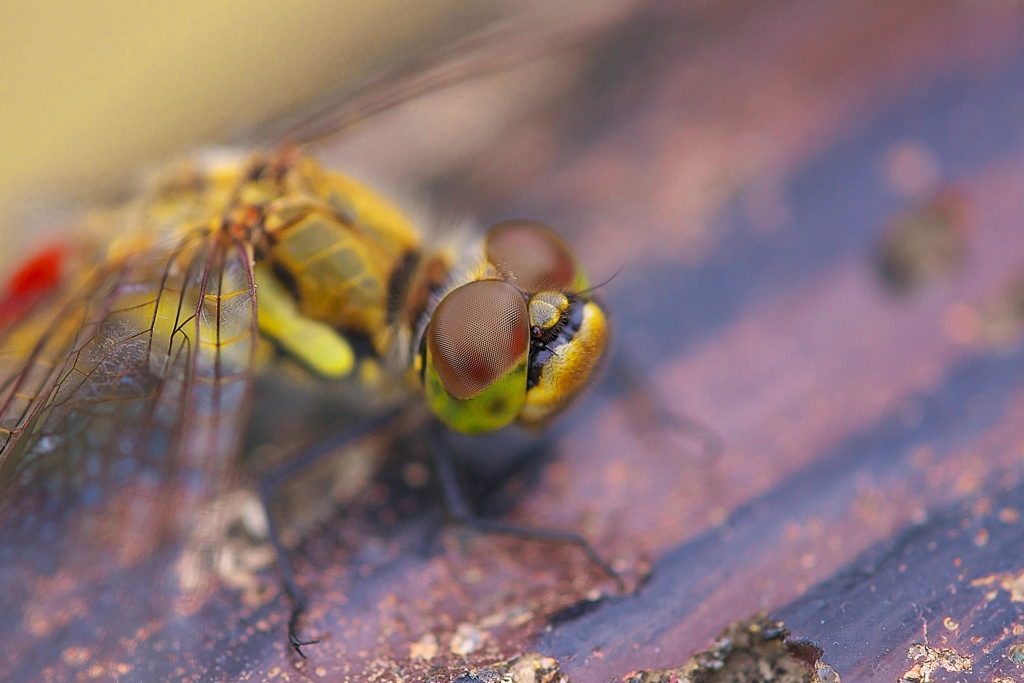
(507,44)
(122,412)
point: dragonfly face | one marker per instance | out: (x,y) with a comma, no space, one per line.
(519,342)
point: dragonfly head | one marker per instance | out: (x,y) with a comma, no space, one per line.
(517,344)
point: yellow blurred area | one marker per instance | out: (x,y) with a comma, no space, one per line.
(91,90)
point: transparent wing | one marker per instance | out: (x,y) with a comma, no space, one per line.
(514,42)
(122,407)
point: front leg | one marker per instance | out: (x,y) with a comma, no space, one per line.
(459,511)
(269,484)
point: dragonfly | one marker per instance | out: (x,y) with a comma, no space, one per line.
(129,355)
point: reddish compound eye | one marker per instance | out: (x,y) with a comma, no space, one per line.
(535,256)
(477,335)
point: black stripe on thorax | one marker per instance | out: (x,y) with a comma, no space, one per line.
(398,283)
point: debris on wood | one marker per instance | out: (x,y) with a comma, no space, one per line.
(751,651)
(528,668)
(925,242)
(929,660)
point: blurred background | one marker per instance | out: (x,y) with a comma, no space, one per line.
(93,92)
(816,209)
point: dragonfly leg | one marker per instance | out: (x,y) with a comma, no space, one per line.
(284,566)
(269,484)
(459,512)
(650,410)
(295,594)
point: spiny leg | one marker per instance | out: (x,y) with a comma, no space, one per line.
(459,511)
(269,484)
(284,566)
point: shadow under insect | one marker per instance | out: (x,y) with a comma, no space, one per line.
(367,497)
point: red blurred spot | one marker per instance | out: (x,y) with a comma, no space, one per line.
(39,274)
(35,278)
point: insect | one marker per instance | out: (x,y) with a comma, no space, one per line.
(128,356)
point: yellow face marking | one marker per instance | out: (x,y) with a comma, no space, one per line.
(570,368)
(546,309)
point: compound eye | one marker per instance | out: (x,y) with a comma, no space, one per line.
(535,256)
(477,334)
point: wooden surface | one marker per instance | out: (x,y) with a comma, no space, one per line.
(872,440)
(740,164)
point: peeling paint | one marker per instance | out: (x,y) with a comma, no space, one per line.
(929,660)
